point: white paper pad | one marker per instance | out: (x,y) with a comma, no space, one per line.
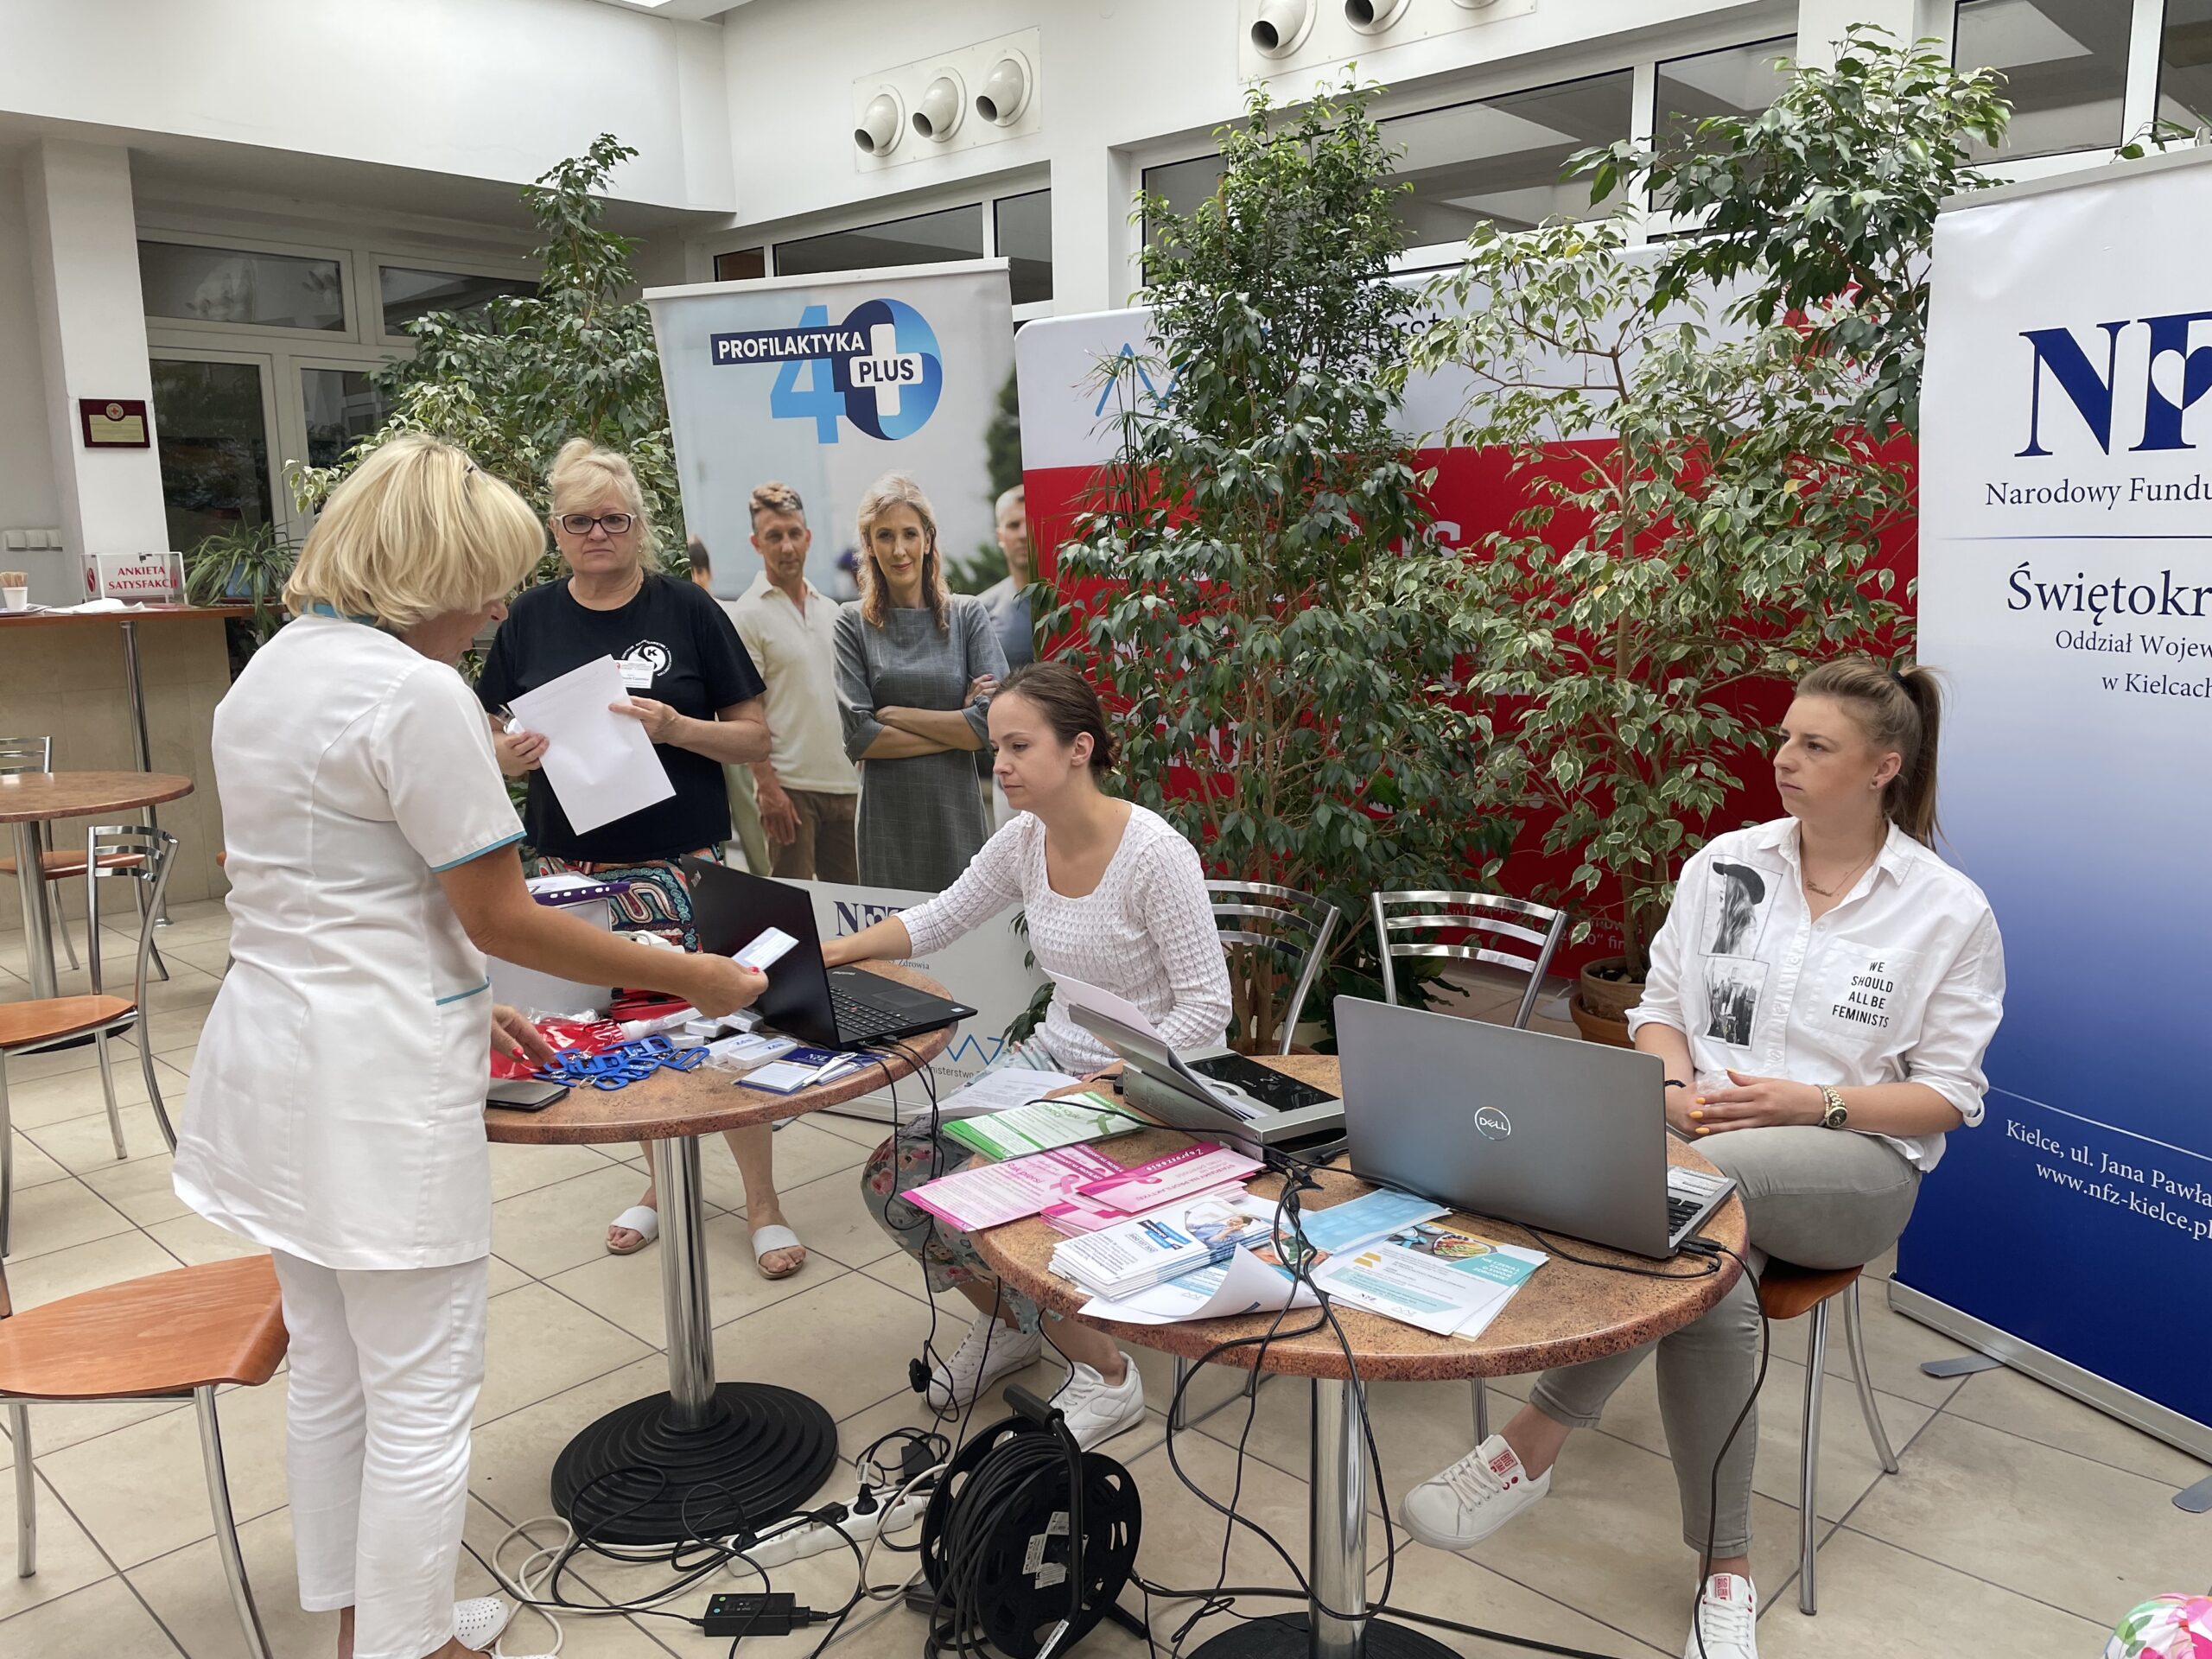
(600,764)
(1243,1284)
(1001,1090)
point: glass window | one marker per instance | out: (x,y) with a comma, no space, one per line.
(2185,65)
(741,264)
(1738,80)
(1183,185)
(2065,68)
(214,448)
(342,405)
(266,290)
(408,294)
(1025,237)
(925,240)
(1500,158)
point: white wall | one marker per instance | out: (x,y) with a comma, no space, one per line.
(494,89)
(27,495)
(1121,84)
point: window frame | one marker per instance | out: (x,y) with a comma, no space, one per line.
(376,258)
(208,329)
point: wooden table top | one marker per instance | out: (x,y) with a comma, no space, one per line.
(152,612)
(29,796)
(1566,1312)
(672,1104)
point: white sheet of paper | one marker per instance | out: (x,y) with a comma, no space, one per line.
(1081,995)
(767,950)
(1014,1086)
(1242,1285)
(600,764)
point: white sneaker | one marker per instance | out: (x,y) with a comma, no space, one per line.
(1097,1410)
(1726,1616)
(957,1382)
(477,1624)
(1462,1505)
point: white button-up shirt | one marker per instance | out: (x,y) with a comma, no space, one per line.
(1903,981)
(337,1103)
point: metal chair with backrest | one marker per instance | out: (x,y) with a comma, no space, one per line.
(170,1335)
(1411,932)
(128,852)
(22,754)
(1291,926)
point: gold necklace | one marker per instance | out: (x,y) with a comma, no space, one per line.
(1843,885)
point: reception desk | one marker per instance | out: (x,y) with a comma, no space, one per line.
(68,677)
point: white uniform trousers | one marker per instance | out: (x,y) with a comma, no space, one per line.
(385,1368)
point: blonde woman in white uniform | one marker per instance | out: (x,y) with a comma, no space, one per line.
(336,1109)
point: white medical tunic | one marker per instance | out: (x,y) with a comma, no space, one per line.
(336,1109)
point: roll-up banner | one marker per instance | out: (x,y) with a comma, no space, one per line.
(825,385)
(2066,588)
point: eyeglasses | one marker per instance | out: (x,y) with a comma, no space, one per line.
(579,523)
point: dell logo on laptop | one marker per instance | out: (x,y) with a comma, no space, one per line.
(1492,1124)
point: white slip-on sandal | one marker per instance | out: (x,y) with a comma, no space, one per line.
(767,1240)
(643,1220)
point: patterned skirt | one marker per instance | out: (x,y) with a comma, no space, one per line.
(658,902)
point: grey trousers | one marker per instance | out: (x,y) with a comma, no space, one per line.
(1817,1198)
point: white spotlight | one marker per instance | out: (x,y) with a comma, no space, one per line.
(880,124)
(1281,26)
(1374,16)
(937,118)
(1005,91)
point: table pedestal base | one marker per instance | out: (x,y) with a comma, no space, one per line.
(636,1477)
(1289,1636)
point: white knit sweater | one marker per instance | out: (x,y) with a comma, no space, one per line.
(1146,931)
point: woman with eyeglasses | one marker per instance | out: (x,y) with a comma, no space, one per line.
(698,696)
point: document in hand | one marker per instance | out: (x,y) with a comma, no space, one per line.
(1440,1278)
(601,765)
(1023,1130)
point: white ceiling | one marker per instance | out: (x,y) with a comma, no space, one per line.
(698,11)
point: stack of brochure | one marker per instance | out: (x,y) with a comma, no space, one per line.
(1164,1243)
(1439,1278)
(1019,1130)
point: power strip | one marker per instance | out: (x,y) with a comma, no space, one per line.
(803,1542)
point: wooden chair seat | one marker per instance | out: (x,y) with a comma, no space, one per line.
(48,1019)
(62,864)
(167,1334)
(1787,1290)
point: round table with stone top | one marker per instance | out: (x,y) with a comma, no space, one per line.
(1567,1312)
(30,799)
(695,1460)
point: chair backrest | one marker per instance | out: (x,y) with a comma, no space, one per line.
(1407,923)
(1291,926)
(20,754)
(128,852)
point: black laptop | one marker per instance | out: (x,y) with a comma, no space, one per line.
(830,1007)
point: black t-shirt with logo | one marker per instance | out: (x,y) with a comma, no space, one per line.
(676,646)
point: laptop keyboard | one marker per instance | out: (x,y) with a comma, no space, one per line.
(858,1021)
(1680,1211)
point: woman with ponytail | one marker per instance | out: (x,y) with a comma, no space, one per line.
(1822,994)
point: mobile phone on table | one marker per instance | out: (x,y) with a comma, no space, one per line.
(524,1094)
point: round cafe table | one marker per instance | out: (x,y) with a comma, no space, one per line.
(1565,1313)
(29,798)
(676,1465)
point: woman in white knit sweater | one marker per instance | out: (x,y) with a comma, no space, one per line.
(1115,898)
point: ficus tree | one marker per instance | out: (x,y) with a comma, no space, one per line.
(1257,580)
(1709,434)
(512,382)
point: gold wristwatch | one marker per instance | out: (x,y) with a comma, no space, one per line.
(1837,1116)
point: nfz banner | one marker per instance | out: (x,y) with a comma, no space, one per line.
(2066,586)
(826,384)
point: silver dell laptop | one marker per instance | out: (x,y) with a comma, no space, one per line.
(1551,1131)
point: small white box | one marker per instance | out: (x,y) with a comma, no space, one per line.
(135,578)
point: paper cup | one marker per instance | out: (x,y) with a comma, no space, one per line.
(15,599)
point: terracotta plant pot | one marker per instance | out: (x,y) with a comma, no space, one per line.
(1601,1004)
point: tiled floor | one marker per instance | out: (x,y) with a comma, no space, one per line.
(2022,1524)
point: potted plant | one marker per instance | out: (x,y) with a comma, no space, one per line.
(247,565)
(1724,521)
(1256,581)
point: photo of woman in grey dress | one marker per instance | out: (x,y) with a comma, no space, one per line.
(915,668)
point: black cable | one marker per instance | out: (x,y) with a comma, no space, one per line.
(1758,1383)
